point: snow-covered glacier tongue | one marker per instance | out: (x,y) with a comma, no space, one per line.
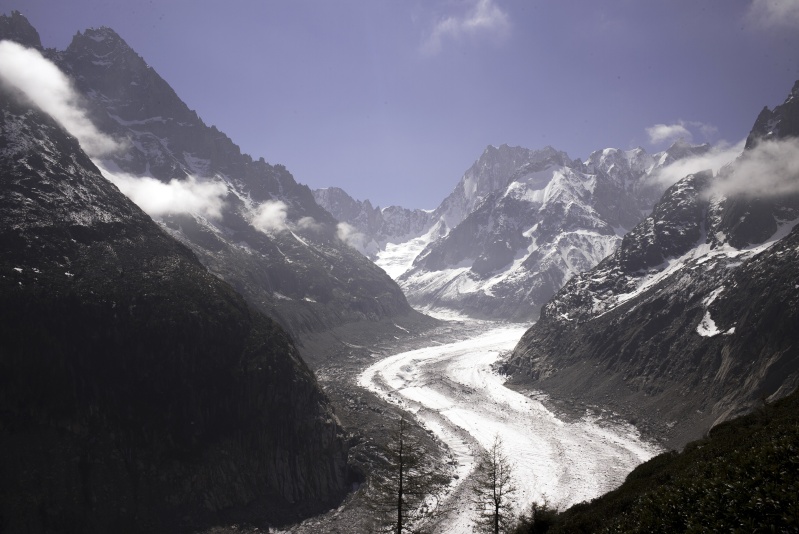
(454,390)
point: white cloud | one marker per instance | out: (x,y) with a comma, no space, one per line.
(667,132)
(708,131)
(484,19)
(680,129)
(270,217)
(774,13)
(714,159)
(347,233)
(49,89)
(771,169)
(156,198)
(309,223)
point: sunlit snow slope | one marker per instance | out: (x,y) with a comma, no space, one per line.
(551,219)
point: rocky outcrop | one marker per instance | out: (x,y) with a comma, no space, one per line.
(16,27)
(138,392)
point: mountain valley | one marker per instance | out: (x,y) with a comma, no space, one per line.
(191,340)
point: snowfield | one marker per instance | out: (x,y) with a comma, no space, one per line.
(453,390)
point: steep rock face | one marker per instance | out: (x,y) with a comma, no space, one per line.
(692,320)
(492,171)
(269,239)
(750,219)
(780,123)
(138,393)
(554,218)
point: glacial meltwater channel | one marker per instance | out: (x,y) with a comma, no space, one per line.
(454,392)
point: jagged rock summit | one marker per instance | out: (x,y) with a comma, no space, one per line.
(16,27)
(519,224)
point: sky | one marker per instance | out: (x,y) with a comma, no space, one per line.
(393,100)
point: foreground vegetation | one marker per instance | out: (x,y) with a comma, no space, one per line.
(743,477)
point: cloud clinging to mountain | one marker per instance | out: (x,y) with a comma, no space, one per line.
(43,83)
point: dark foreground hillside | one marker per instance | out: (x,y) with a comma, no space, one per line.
(138,393)
(743,477)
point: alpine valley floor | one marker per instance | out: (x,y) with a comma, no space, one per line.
(445,378)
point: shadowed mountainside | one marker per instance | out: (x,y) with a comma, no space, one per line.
(137,391)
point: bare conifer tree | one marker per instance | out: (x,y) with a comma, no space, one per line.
(493,490)
(407,497)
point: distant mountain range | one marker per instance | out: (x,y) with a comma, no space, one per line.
(518,225)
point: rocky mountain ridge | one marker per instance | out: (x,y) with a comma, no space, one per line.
(553,218)
(700,298)
(260,230)
(138,392)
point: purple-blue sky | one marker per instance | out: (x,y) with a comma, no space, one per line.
(394,100)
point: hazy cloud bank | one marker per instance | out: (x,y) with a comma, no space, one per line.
(270,217)
(352,237)
(774,13)
(309,223)
(484,19)
(716,158)
(681,129)
(771,169)
(26,70)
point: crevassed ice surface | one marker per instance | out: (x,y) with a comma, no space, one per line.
(454,392)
